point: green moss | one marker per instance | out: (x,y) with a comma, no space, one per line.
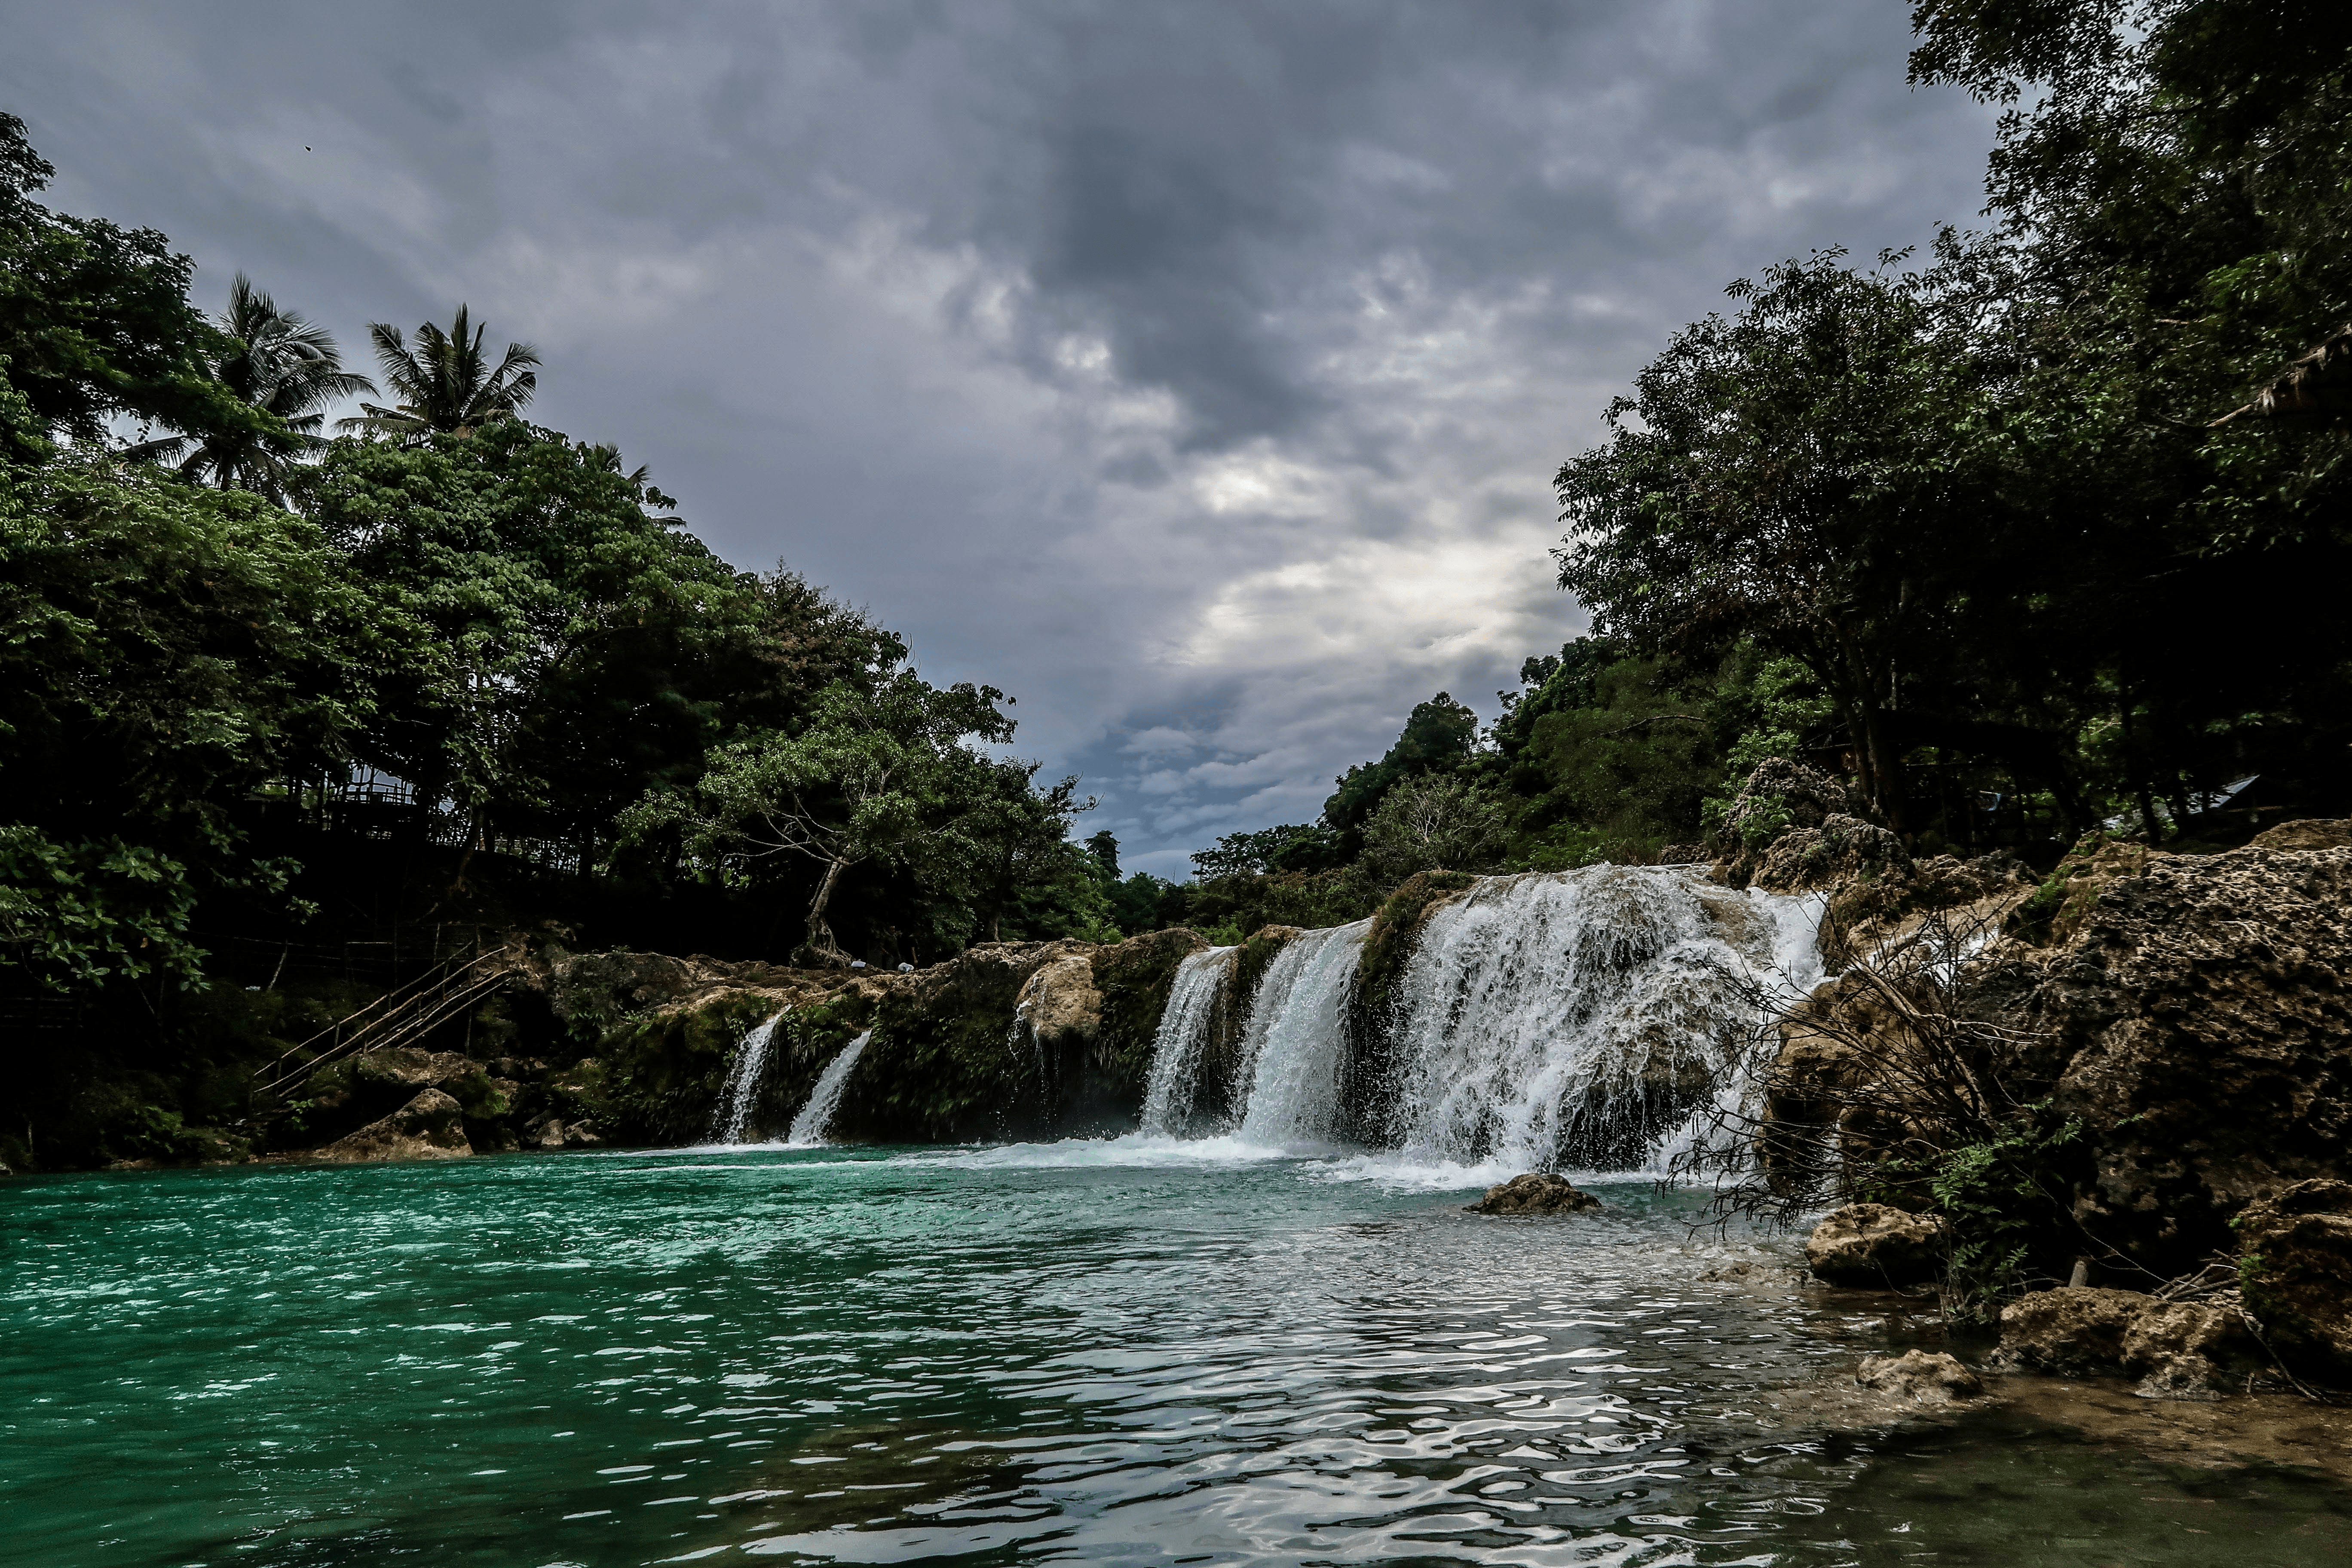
(1371,1090)
(1134,979)
(941,1074)
(659,1079)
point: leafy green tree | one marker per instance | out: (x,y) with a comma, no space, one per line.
(888,777)
(446,383)
(281,365)
(590,647)
(2169,179)
(1433,821)
(1822,473)
(95,321)
(1440,735)
(166,651)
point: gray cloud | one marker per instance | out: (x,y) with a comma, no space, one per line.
(1196,372)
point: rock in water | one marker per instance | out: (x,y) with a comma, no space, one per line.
(1534,1194)
(2184,1349)
(2179,1350)
(2073,1329)
(1922,1377)
(1872,1246)
(429,1127)
(2297,1269)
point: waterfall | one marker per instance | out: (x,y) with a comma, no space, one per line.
(743,1082)
(1582,1016)
(1182,1036)
(809,1127)
(1577,1018)
(1296,1051)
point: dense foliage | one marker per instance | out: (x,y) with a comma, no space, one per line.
(272,700)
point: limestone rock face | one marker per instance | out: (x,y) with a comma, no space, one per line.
(1060,998)
(409,1068)
(1537,1193)
(2198,1021)
(2299,1273)
(2179,1350)
(2073,1329)
(431,1126)
(2311,833)
(2184,1349)
(1920,1377)
(1842,849)
(1780,797)
(1872,1245)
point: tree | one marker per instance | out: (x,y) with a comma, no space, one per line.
(886,776)
(446,382)
(95,321)
(1439,735)
(589,649)
(1820,473)
(1433,821)
(165,652)
(280,364)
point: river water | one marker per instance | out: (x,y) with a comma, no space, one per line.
(1134,1351)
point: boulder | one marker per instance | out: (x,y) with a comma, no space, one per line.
(2074,1330)
(2310,833)
(557,1133)
(1537,1193)
(2298,1268)
(1060,999)
(1874,1246)
(1778,797)
(1842,849)
(2186,1349)
(411,1068)
(2202,1013)
(1919,1377)
(431,1126)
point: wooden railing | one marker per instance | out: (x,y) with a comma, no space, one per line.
(403,1016)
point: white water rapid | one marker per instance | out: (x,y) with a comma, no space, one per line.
(816,1117)
(743,1082)
(1297,1048)
(1582,1016)
(1182,1037)
(1581,1019)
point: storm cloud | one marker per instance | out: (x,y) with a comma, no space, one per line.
(1194,372)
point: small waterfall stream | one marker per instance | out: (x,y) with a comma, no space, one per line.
(1298,1046)
(742,1090)
(1182,1037)
(816,1117)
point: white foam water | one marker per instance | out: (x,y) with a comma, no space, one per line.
(815,1118)
(1586,1017)
(1559,1014)
(743,1091)
(1182,1037)
(1297,1048)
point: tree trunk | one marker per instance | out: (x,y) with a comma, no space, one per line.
(820,935)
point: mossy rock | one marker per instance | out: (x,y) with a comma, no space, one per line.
(1134,979)
(659,1079)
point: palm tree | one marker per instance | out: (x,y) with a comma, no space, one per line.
(444,384)
(281,365)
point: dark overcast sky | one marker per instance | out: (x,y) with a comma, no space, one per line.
(1195,371)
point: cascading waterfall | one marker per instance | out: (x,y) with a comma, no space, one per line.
(1182,1038)
(1580,1017)
(1297,1048)
(816,1117)
(743,1082)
